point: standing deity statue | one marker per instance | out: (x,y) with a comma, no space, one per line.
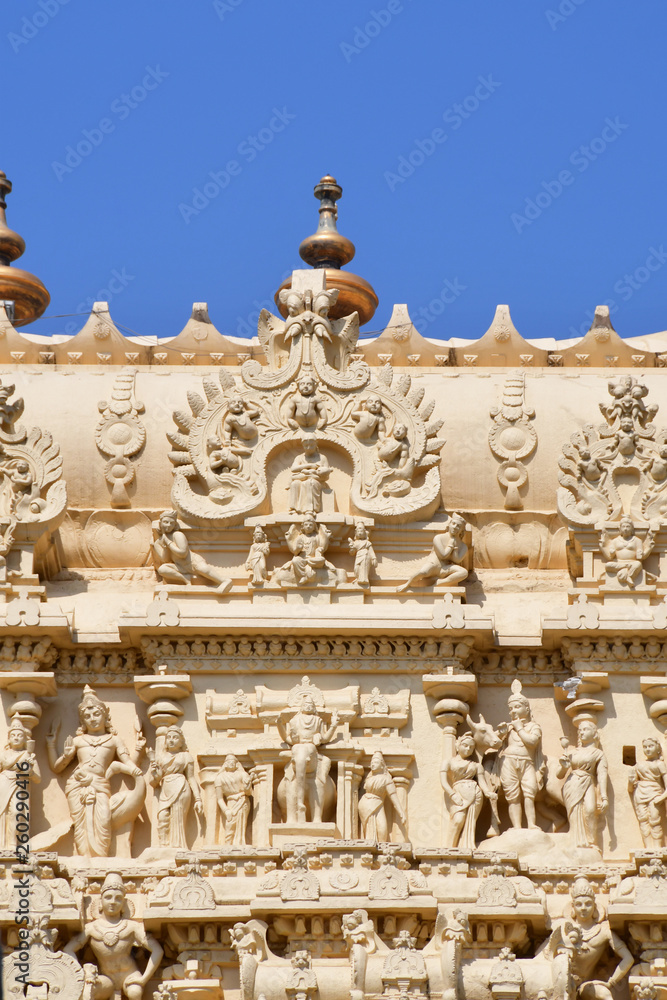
(309,472)
(365,560)
(174,560)
(521,763)
(172,773)
(256,561)
(100,754)
(578,944)
(308,770)
(113,938)
(647,784)
(625,554)
(585,789)
(233,793)
(466,784)
(379,793)
(16,760)
(444,562)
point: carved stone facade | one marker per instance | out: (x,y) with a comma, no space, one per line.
(317,679)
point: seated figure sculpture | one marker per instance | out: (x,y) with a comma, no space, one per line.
(309,472)
(444,562)
(579,943)
(307,773)
(174,560)
(625,554)
(113,938)
(307,567)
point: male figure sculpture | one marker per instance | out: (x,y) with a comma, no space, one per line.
(520,759)
(175,562)
(449,551)
(625,554)
(112,938)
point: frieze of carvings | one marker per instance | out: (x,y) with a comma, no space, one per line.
(88,665)
(312,398)
(512,438)
(33,495)
(274,652)
(618,653)
(120,435)
(27,654)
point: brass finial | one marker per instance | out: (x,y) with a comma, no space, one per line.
(27,292)
(326,247)
(328,250)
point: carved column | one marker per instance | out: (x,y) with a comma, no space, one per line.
(27,687)
(578,703)
(455,693)
(350,773)
(655,688)
(262,791)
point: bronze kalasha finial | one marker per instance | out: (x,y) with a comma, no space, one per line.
(27,292)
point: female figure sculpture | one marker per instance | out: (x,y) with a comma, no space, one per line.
(585,790)
(647,784)
(378,788)
(233,790)
(465,783)
(173,774)
(256,561)
(15,753)
(365,559)
(100,754)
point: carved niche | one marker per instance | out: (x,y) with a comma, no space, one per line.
(613,492)
(312,396)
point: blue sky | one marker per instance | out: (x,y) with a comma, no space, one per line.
(515,150)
